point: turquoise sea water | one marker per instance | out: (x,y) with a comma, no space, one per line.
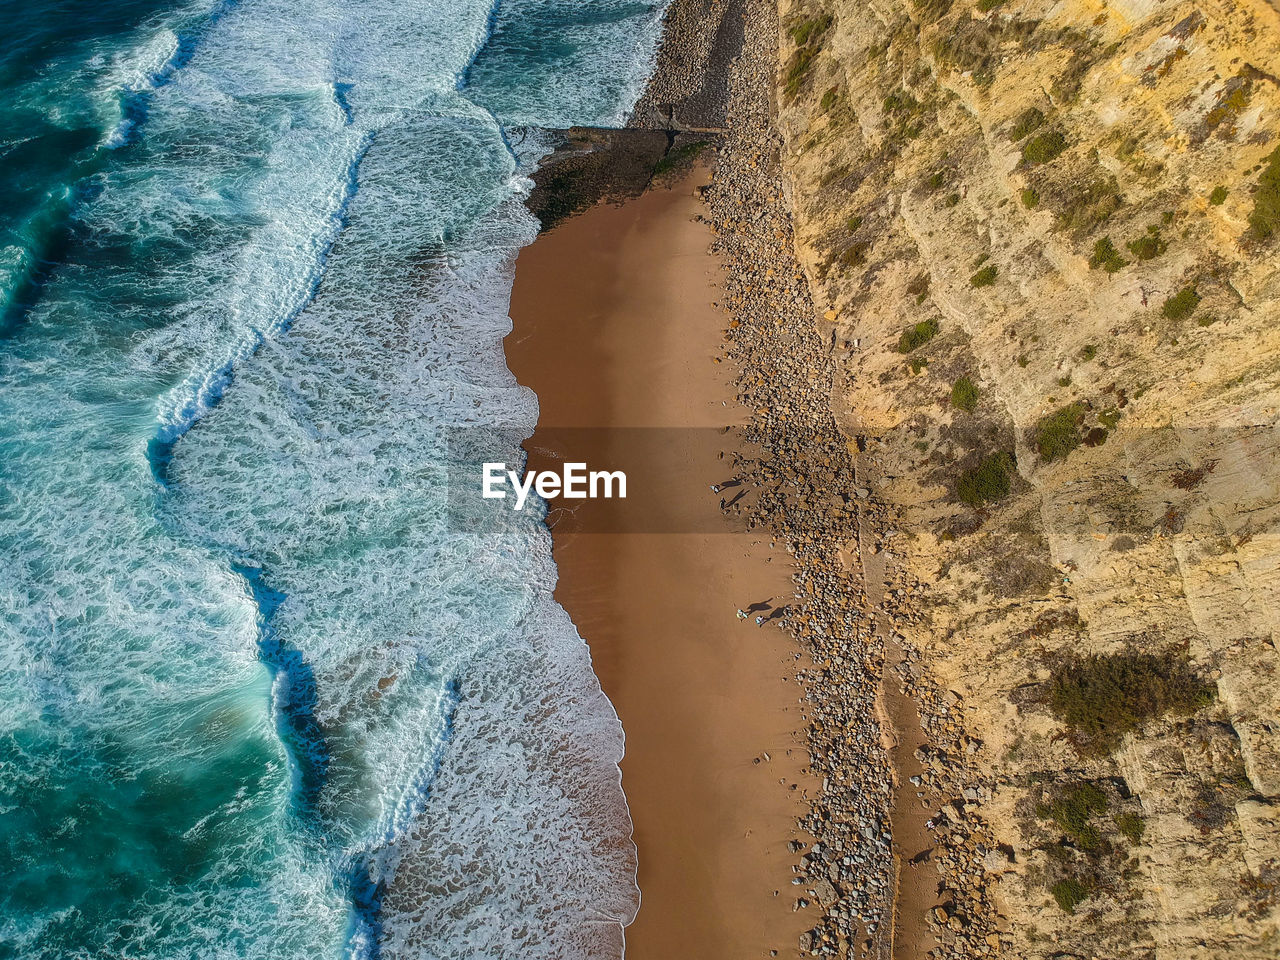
(258,699)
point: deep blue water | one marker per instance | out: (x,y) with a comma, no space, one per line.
(258,697)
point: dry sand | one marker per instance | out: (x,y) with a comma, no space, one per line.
(615,325)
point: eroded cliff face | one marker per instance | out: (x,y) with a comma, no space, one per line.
(1044,241)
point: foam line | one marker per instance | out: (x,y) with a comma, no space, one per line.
(367,878)
(490,26)
(207,392)
(135,101)
(364,932)
(294,697)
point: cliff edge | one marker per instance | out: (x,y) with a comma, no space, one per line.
(1043,242)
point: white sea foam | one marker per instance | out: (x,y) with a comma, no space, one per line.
(136,73)
(321,231)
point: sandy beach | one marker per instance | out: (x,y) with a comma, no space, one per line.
(615,326)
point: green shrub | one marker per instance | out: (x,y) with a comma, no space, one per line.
(1028,122)
(1101,698)
(1228,109)
(854,223)
(1265,218)
(1090,205)
(807,35)
(1069,894)
(918,335)
(986,6)
(798,69)
(932,10)
(953,199)
(1030,198)
(1132,826)
(1071,810)
(838,172)
(971,46)
(900,101)
(1066,88)
(1182,304)
(991,480)
(984,277)
(855,255)
(964,395)
(810,29)
(1148,247)
(828,100)
(1044,147)
(1106,256)
(936,180)
(906,119)
(1058,433)
(1218,197)
(1088,352)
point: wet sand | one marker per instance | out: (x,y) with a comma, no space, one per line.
(615,326)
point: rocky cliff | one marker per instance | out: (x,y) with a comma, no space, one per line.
(1043,239)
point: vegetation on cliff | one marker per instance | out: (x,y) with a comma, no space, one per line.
(1088,198)
(1101,698)
(1264,220)
(991,480)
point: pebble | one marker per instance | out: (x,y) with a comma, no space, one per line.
(799,497)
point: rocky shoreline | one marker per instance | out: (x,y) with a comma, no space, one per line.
(927,625)
(786,378)
(846,867)
(812,494)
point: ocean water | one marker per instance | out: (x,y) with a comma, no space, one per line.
(259,698)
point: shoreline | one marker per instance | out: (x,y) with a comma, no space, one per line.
(863,880)
(614,326)
(903,854)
